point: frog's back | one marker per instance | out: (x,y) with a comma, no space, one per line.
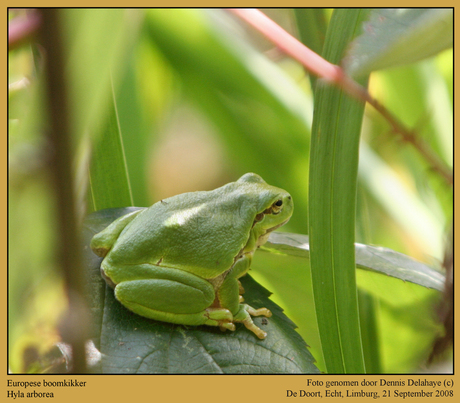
(199,232)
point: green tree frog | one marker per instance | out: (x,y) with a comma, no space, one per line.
(179,260)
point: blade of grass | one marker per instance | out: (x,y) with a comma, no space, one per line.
(369,332)
(108,172)
(312,24)
(98,43)
(332,200)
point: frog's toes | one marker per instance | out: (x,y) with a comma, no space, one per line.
(250,325)
(227,325)
(244,316)
(219,317)
(259,312)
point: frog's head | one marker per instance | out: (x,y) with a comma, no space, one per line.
(274,206)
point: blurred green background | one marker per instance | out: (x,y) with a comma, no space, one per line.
(201,99)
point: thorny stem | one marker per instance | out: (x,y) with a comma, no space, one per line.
(411,137)
(336,75)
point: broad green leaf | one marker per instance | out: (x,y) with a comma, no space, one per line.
(130,343)
(332,206)
(393,37)
(377,259)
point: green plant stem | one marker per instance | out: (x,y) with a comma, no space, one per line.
(334,159)
(68,244)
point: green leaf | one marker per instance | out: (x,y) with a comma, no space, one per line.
(372,258)
(403,310)
(393,37)
(97,42)
(312,24)
(130,343)
(369,331)
(332,205)
(108,172)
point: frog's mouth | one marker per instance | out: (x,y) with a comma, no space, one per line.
(264,237)
(276,227)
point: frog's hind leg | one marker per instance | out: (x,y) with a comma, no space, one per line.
(172,296)
(152,310)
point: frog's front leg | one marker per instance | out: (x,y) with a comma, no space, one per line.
(167,294)
(230,298)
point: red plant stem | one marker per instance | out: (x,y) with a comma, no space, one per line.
(335,74)
(290,45)
(297,50)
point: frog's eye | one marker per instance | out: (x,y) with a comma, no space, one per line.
(276,207)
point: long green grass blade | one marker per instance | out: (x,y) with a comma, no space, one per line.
(98,42)
(333,172)
(312,24)
(108,172)
(369,332)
